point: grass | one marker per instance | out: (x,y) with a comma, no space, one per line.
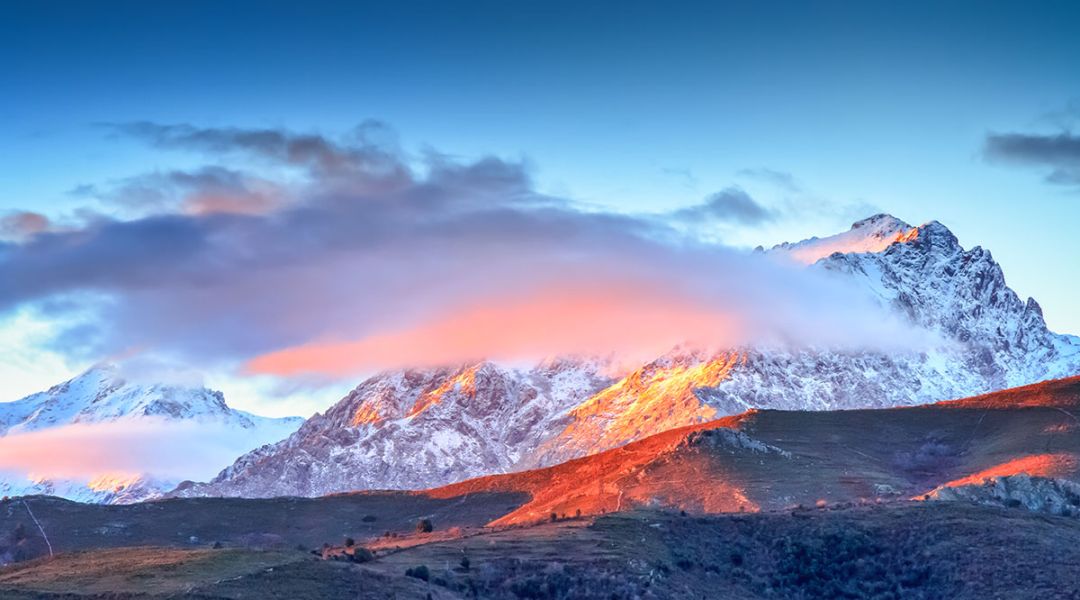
(910,550)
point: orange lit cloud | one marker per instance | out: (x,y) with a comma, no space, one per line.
(641,322)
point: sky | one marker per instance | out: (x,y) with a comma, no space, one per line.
(207,159)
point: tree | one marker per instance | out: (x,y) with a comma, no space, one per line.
(424,526)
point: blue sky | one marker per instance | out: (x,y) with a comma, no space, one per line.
(630,106)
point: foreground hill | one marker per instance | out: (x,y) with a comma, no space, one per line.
(484,418)
(768,460)
(922,550)
(758,461)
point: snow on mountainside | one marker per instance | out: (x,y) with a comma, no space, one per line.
(407,428)
(421,429)
(101,396)
(869,235)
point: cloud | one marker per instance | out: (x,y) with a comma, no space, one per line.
(391,262)
(363,155)
(780,179)
(685,177)
(22,224)
(207,190)
(1060,153)
(171,450)
(731,205)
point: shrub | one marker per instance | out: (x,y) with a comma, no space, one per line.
(420,572)
(368,519)
(349,542)
(465,563)
(361,554)
(424,526)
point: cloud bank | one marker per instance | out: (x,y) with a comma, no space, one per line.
(366,258)
(170,450)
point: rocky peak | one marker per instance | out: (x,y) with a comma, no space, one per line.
(933,236)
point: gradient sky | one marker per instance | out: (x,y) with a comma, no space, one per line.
(823,112)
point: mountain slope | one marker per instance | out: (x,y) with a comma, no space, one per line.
(516,420)
(399,429)
(767,460)
(102,397)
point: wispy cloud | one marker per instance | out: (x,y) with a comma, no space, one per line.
(781,179)
(731,205)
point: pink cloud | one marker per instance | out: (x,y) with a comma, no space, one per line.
(179,450)
(586,319)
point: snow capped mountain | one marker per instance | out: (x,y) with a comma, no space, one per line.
(418,429)
(101,402)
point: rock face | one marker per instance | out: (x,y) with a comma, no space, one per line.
(422,429)
(102,396)
(1039,494)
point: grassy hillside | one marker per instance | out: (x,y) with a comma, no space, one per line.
(912,550)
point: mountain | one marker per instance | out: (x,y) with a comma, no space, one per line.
(103,397)
(484,419)
(401,428)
